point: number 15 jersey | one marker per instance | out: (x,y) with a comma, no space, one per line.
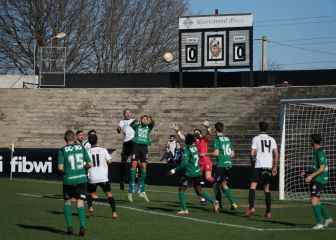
(73,157)
(264,145)
(98,173)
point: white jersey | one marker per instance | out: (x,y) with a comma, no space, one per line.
(264,145)
(87,145)
(99,171)
(127,130)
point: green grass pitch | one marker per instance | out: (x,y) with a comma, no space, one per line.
(33,209)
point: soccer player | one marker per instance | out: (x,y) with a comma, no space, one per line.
(192,175)
(317,180)
(223,154)
(86,142)
(141,142)
(202,147)
(80,137)
(127,147)
(73,160)
(202,143)
(264,149)
(98,175)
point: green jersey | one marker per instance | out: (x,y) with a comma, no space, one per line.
(320,158)
(73,157)
(142,133)
(224,146)
(190,162)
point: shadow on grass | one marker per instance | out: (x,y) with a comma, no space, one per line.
(42,228)
(76,214)
(60,212)
(284,223)
(168,210)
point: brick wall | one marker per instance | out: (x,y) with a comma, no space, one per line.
(37,118)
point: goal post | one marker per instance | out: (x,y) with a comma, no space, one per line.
(300,119)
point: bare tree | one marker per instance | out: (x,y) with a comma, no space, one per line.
(27,24)
(101,35)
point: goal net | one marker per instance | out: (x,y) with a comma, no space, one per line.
(301,118)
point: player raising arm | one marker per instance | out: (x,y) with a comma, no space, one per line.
(141,142)
(98,175)
(73,160)
(317,180)
(192,175)
(264,150)
(201,143)
(125,128)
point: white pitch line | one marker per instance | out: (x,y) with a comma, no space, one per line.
(190,218)
(161,214)
(297,229)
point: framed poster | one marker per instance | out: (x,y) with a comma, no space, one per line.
(215,46)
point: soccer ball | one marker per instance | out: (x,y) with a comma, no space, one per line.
(168,57)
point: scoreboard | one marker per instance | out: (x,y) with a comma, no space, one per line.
(216,41)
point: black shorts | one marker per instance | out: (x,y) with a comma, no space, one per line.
(140,152)
(105,186)
(262,175)
(315,189)
(74,191)
(190,181)
(127,149)
(222,174)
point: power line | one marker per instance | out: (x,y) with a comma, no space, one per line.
(292,19)
(317,43)
(308,39)
(305,63)
(303,49)
(294,23)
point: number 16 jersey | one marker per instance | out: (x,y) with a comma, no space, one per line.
(264,145)
(98,173)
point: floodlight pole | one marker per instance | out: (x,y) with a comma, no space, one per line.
(11,161)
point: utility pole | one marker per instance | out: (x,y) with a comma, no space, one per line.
(263,62)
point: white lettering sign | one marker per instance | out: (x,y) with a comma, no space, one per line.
(21,165)
(221,21)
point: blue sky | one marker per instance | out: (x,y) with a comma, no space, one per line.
(303,31)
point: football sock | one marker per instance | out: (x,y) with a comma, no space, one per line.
(218,195)
(131,188)
(122,168)
(228,195)
(318,213)
(251,198)
(68,214)
(142,180)
(81,214)
(207,197)
(183,200)
(111,201)
(268,201)
(324,211)
(89,200)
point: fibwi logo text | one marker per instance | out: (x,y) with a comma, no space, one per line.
(21,165)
